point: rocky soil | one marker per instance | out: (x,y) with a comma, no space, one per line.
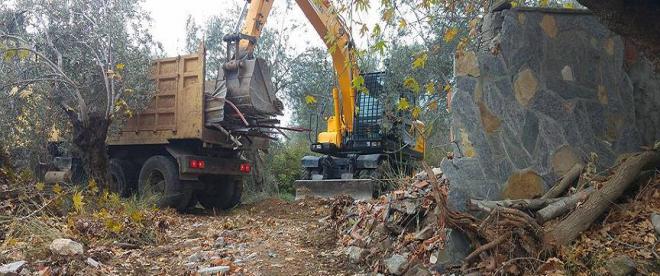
(271,237)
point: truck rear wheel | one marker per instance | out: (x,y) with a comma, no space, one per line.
(122,176)
(159,179)
(222,192)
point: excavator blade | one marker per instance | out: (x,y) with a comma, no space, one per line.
(358,189)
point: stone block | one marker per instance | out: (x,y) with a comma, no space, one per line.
(524,184)
(525,86)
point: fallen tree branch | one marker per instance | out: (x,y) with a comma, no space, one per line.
(566,181)
(563,206)
(486,247)
(600,200)
(521,204)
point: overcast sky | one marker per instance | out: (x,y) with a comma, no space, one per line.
(169,20)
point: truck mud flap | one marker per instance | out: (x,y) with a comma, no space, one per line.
(358,189)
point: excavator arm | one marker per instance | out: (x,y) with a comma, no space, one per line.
(329,26)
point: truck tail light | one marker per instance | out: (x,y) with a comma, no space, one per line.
(246,168)
(197,164)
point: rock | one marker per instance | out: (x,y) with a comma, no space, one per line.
(525,86)
(66,247)
(396,264)
(655,219)
(219,242)
(190,243)
(196,258)
(425,233)
(12,268)
(456,249)
(621,265)
(423,175)
(356,254)
(418,270)
(466,65)
(213,270)
(93,263)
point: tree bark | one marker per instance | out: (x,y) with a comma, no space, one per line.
(89,140)
(566,181)
(600,200)
(563,206)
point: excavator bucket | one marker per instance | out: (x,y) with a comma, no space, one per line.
(358,189)
(250,88)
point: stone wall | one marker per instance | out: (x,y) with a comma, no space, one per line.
(545,89)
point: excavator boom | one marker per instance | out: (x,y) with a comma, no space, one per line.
(346,157)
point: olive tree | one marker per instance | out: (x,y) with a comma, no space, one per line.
(89,59)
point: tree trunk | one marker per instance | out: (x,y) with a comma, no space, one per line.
(566,181)
(89,141)
(600,200)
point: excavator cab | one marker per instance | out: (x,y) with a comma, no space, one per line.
(368,154)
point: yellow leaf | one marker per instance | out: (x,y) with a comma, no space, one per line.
(78,203)
(57,189)
(39,186)
(420,61)
(447,88)
(388,15)
(543,3)
(310,100)
(403,104)
(514,4)
(450,34)
(136,216)
(402,23)
(114,226)
(92,186)
(416,111)
(23,54)
(9,54)
(412,84)
(569,6)
(430,88)
(120,66)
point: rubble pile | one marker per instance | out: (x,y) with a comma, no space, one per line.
(400,231)
(412,231)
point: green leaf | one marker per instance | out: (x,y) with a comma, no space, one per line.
(380,46)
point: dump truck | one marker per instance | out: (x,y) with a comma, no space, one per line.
(186,146)
(355,150)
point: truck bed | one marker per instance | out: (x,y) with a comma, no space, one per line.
(176,111)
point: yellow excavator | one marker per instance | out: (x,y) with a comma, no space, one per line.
(355,152)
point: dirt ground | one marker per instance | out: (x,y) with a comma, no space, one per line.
(270,237)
